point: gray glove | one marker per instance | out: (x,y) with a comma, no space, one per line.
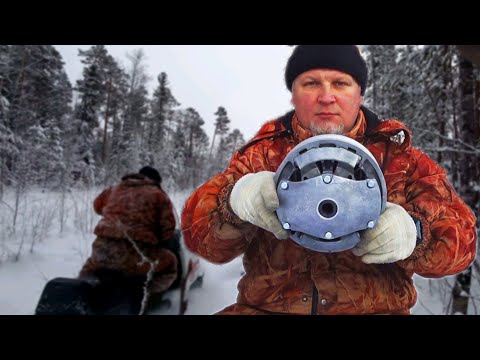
(392,239)
(254,199)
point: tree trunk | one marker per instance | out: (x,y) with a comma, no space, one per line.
(467,131)
(213,142)
(107,110)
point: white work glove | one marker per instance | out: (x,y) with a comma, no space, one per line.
(392,239)
(254,199)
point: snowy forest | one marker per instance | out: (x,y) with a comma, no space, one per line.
(61,137)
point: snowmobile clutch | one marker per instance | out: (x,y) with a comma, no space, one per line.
(330,187)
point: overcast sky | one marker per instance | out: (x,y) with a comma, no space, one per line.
(245,79)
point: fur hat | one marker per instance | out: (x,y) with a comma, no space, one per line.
(345,58)
(151,173)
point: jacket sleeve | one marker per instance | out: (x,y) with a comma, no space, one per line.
(101,200)
(210,228)
(449,235)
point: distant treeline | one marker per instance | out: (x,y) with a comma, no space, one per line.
(56,135)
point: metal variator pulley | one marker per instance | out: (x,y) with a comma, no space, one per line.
(330,187)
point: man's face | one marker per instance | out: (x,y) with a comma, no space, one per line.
(326,101)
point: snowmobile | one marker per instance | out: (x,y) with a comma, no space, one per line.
(112,293)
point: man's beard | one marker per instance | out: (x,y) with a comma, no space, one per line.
(318,129)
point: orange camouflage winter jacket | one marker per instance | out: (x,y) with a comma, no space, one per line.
(282,277)
(138,209)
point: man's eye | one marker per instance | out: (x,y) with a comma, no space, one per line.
(342,83)
(311,83)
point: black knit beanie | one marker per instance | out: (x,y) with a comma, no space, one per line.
(151,173)
(345,58)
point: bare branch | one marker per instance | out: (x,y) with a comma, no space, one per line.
(475,150)
(450,149)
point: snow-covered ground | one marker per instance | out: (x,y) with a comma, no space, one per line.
(61,254)
(53,247)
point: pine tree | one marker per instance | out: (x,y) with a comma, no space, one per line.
(381,60)
(176,155)
(4,81)
(102,90)
(115,108)
(8,151)
(8,148)
(161,121)
(133,145)
(221,125)
(38,95)
(196,145)
(227,147)
(235,140)
(84,124)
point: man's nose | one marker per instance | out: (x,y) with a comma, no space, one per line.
(326,96)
